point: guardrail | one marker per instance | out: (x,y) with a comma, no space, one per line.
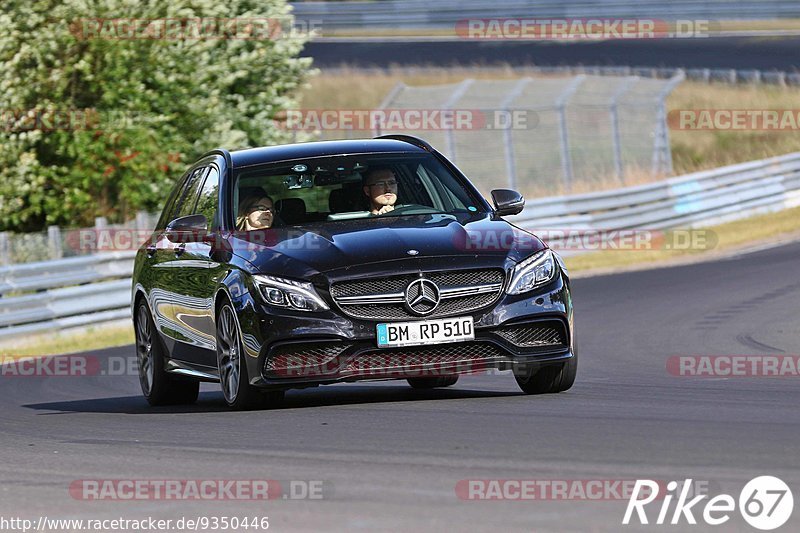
(698,199)
(54,295)
(87,290)
(444,13)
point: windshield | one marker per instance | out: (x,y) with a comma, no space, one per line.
(324,189)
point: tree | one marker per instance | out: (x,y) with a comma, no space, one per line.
(104,102)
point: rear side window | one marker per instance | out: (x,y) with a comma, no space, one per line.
(169,207)
(209,198)
(188,201)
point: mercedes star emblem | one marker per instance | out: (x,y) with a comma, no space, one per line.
(422,296)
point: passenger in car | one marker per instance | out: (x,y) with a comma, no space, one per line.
(380,188)
(255,212)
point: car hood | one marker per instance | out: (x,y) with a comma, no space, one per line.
(323,247)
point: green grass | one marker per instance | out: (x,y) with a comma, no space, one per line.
(727,237)
(93,338)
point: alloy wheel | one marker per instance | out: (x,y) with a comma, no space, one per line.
(144,349)
(229,356)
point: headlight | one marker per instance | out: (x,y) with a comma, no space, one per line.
(288,293)
(534,271)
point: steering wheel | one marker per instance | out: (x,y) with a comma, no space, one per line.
(403,208)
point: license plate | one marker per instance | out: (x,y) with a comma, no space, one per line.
(425,332)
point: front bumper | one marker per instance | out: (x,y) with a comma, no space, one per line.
(293,350)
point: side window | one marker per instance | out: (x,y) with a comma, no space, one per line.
(169,207)
(186,204)
(209,196)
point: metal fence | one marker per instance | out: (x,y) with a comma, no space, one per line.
(445,13)
(549,135)
(693,200)
(58,243)
(703,75)
(64,293)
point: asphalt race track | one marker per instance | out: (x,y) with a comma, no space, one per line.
(390,457)
(713,52)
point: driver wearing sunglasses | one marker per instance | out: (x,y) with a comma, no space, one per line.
(255,212)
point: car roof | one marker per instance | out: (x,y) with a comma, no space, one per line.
(270,154)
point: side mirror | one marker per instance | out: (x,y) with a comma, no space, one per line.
(190,228)
(507,202)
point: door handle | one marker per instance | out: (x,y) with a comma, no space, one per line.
(180,249)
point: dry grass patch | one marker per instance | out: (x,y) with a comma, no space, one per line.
(92,338)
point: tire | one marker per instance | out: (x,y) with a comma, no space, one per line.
(549,379)
(157,386)
(432,383)
(233,377)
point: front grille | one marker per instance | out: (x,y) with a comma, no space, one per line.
(535,335)
(288,359)
(370,286)
(316,360)
(393,286)
(454,306)
(416,356)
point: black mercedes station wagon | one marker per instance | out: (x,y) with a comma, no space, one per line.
(315,263)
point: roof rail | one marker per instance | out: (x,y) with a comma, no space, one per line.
(416,141)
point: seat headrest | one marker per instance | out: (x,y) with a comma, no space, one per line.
(347,199)
(291,210)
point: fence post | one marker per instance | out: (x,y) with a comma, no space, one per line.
(100,223)
(454,98)
(662,152)
(511,164)
(143,220)
(5,248)
(561,105)
(615,135)
(54,250)
(387,100)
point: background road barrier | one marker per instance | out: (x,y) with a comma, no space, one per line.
(78,291)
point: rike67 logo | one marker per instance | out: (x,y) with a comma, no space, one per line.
(765,502)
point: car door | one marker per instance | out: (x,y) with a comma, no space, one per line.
(158,279)
(171,289)
(195,307)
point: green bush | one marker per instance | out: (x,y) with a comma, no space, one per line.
(118,119)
